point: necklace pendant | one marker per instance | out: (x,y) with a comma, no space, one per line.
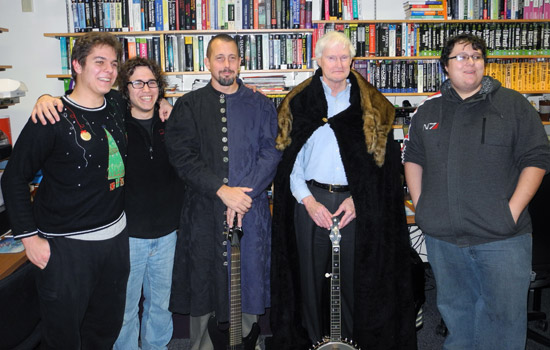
(84,135)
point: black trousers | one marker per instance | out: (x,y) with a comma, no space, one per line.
(315,257)
(82,293)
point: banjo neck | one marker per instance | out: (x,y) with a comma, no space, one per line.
(335,297)
(334,341)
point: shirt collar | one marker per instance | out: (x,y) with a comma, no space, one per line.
(328,90)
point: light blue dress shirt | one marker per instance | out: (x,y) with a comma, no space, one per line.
(319,159)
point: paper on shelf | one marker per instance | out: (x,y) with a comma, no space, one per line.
(12,88)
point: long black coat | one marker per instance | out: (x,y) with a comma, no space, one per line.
(214,139)
(384,315)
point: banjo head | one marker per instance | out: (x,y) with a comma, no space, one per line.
(342,344)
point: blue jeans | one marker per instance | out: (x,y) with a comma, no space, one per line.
(151,262)
(482,292)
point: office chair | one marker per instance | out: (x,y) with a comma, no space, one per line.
(539,208)
(20,309)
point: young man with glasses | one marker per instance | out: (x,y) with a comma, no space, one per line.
(152,204)
(475,155)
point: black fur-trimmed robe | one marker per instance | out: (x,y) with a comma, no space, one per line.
(384,316)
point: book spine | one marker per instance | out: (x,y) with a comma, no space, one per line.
(261,14)
(296,13)
(189,53)
(271,52)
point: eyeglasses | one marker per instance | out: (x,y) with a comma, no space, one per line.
(140,84)
(334,59)
(464,57)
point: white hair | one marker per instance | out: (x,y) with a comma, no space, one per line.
(332,39)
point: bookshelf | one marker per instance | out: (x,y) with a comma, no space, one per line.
(394,54)
(408,47)
(167,47)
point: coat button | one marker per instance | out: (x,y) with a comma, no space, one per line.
(224,243)
(225,148)
(222,110)
(224,129)
(225,180)
(224,139)
(224,119)
(224,253)
(225,263)
(225,159)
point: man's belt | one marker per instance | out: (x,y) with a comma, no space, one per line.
(328,187)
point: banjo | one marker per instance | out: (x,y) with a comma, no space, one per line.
(335,341)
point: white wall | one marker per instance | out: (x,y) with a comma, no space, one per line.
(30,53)
(33,56)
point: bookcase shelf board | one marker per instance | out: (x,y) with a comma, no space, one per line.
(412,58)
(430,21)
(206,72)
(188,32)
(67,76)
(5,67)
(2,30)
(268,93)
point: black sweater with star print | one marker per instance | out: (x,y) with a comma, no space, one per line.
(82,160)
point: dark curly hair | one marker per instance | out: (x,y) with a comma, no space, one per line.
(476,42)
(84,44)
(129,67)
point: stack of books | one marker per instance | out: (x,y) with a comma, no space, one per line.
(425,9)
(266,83)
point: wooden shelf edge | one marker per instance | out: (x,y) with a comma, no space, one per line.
(272,71)
(415,58)
(189,32)
(58,76)
(181,93)
(363,21)
(2,30)
(5,67)
(431,93)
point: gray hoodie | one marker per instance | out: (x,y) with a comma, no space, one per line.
(472,152)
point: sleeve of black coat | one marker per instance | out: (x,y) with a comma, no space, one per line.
(183,146)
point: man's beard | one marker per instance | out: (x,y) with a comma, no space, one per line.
(226,81)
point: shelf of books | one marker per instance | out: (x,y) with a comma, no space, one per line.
(399,57)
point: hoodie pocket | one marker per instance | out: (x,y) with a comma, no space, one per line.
(495,131)
(500,223)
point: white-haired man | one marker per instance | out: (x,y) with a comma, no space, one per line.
(339,160)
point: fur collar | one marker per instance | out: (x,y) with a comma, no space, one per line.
(378,115)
